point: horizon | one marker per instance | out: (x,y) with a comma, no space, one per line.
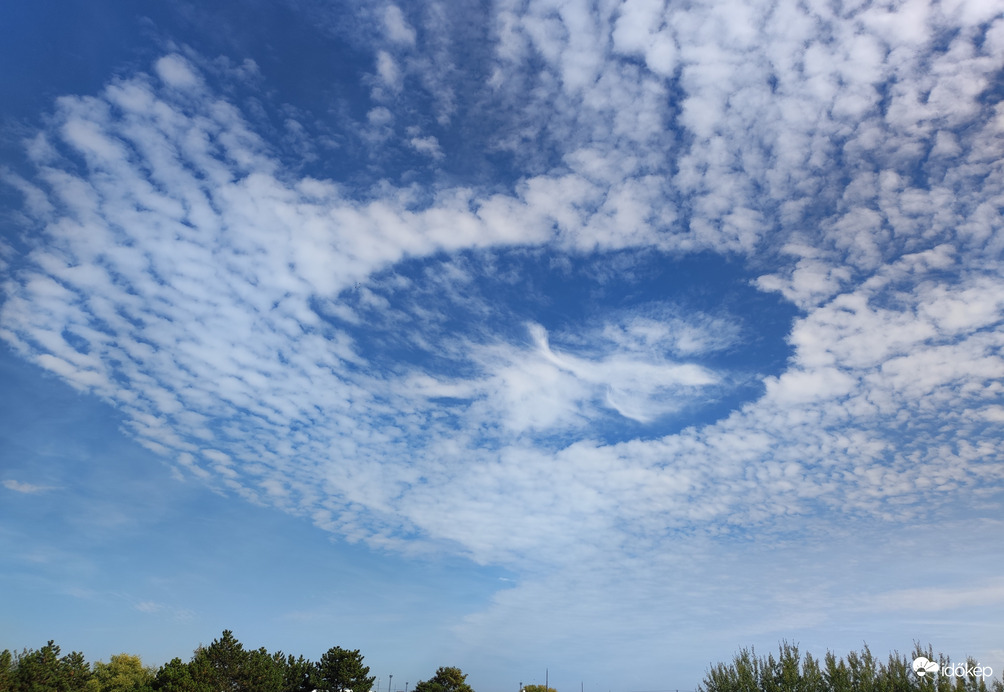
(607,338)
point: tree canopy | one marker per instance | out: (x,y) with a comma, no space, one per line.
(446,679)
(341,670)
(123,673)
(223,666)
(227,665)
(538,688)
(43,670)
(859,672)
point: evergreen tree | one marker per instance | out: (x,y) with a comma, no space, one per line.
(6,670)
(299,674)
(220,664)
(342,670)
(45,669)
(261,672)
(859,672)
(176,676)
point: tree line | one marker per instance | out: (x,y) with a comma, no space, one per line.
(224,665)
(858,672)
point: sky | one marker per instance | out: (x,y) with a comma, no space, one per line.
(588,341)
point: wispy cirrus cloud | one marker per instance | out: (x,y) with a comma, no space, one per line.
(25,488)
(942,599)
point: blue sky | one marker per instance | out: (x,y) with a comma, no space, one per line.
(603,338)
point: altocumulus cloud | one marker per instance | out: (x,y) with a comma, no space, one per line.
(851,155)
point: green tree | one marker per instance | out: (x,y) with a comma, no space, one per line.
(299,674)
(446,679)
(45,669)
(864,671)
(226,666)
(176,676)
(75,670)
(220,665)
(262,672)
(342,670)
(123,673)
(836,674)
(859,672)
(6,670)
(538,688)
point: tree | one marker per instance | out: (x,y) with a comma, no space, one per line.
(220,664)
(538,688)
(860,672)
(341,670)
(226,666)
(446,679)
(262,672)
(6,670)
(123,673)
(299,674)
(45,670)
(176,676)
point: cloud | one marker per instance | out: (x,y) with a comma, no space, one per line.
(941,599)
(550,387)
(25,488)
(161,609)
(428,146)
(640,30)
(148,607)
(177,72)
(398,29)
(388,71)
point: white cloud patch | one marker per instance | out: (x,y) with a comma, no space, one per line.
(641,29)
(177,72)
(545,387)
(427,146)
(398,28)
(25,488)
(388,71)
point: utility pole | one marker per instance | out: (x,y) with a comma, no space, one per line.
(390,684)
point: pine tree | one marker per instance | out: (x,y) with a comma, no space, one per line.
(341,670)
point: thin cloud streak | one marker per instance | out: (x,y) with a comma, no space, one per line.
(25,488)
